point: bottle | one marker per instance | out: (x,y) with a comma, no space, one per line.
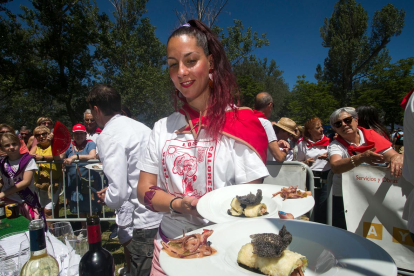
(97,261)
(40,263)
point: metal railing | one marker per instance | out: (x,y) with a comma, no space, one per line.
(64,188)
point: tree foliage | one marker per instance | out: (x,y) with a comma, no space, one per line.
(203,10)
(352,53)
(309,100)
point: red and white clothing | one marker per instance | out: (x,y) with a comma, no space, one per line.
(307,149)
(186,166)
(337,148)
(271,135)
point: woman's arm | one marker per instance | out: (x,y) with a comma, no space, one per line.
(340,165)
(27,179)
(84,157)
(161,200)
(396,161)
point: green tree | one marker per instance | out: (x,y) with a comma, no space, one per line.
(352,54)
(309,100)
(385,89)
(254,76)
(132,59)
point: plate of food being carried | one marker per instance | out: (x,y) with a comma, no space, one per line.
(274,247)
(252,201)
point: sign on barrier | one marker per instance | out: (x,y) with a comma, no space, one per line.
(374,201)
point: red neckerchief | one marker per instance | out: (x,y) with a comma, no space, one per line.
(83,144)
(372,139)
(406,99)
(324,142)
(241,125)
(259,114)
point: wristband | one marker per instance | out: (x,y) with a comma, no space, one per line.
(352,161)
(43,158)
(171,208)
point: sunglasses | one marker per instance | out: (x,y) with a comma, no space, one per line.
(89,120)
(41,134)
(7,131)
(346,120)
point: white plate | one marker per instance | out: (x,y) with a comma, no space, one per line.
(214,205)
(90,167)
(330,250)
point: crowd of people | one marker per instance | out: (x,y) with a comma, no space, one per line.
(156,177)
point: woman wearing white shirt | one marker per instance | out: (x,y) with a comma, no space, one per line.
(208,144)
(354,146)
(313,151)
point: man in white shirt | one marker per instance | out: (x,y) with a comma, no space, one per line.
(263,106)
(121,144)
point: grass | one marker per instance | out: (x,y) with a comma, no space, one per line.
(112,245)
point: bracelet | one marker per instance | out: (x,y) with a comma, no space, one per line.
(43,158)
(352,161)
(77,156)
(171,208)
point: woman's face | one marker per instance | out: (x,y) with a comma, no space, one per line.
(10,148)
(346,125)
(79,137)
(316,131)
(41,137)
(283,134)
(188,67)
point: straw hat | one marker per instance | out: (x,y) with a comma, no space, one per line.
(286,124)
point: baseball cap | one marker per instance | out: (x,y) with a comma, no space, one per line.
(78,127)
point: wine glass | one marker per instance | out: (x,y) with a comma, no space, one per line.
(61,231)
(77,245)
(24,253)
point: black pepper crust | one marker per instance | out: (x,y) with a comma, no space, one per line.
(270,244)
(251,199)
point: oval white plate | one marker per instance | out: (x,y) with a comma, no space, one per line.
(90,167)
(214,205)
(330,250)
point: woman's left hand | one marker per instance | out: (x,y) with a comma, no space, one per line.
(69,160)
(396,165)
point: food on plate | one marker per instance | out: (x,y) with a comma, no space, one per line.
(267,253)
(97,166)
(190,246)
(284,215)
(248,205)
(292,192)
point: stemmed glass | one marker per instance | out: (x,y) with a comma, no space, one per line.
(77,246)
(62,231)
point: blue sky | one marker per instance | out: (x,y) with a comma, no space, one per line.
(292,27)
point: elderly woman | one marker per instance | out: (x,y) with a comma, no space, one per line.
(285,130)
(313,151)
(354,146)
(4,128)
(46,171)
(77,176)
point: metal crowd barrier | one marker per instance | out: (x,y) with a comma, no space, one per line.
(274,177)
(92,161)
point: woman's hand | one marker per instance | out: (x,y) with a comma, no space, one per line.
(37,157)
(50,137)
(323,156)
(283,144)
(69,160)
(309,161)
(396,165)
(370,157)
(186,206)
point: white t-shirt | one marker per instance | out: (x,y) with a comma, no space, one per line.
(185,166)
(408,172)
(313,152)
(121,144)
(336,147)
(271,136)
(8,183)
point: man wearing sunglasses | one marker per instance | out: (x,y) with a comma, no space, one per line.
(354,146)
(263,107)
(90,125)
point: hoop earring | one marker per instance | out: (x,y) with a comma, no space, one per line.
(210,76)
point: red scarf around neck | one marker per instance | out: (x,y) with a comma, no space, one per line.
(241,125)
(372,139)
(324,142)
(259,114)
(406,99)
(83,145)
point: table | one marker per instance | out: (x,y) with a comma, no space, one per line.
(15,225)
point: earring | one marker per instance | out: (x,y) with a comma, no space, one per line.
(210,76)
